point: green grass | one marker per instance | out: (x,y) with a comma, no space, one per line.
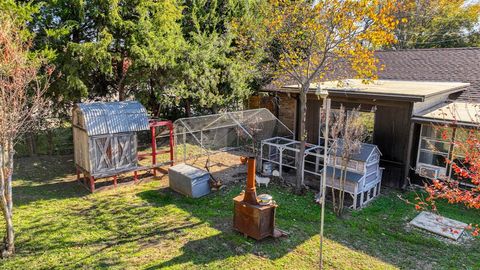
(147,226)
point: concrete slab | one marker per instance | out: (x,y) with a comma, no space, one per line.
(443,226)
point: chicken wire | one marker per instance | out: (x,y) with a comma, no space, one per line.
(232,131)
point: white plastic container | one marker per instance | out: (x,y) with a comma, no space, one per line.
(267,169)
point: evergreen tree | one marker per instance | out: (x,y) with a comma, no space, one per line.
(212,73)
(106,48)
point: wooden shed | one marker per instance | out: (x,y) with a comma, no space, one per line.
(105,136)
(392,103)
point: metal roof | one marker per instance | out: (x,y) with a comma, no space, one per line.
(460,113)
(113,117)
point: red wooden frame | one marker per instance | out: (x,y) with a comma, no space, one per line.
(153,125)
(89,181)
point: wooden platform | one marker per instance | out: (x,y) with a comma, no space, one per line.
(442,226)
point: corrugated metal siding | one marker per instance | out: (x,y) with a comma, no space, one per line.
(114,117)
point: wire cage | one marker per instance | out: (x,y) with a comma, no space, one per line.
(283,153)
(230,131)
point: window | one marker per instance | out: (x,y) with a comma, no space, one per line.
(368,119)
(462,135)
(352,165)
(434,148)
(430,158)
(458,155)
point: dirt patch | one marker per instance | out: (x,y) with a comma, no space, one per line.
(224,166)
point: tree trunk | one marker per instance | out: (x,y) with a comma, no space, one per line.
(334,199)
(31,143)
(188,108)
(6,203)
(153,103)
(121,74)
(51,145)
(121,92)
(302,138)
(341,195)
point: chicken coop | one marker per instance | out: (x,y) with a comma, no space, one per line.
(105,138)
(363,175)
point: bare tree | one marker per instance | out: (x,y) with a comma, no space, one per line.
(21,106)
(348,133)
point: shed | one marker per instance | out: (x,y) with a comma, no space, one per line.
(105,136)
(392,103)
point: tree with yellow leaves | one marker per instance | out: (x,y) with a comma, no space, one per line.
(313,41)
(438,24)
(309,43)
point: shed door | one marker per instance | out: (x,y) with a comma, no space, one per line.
(113,152)
(103,154)
(125,151)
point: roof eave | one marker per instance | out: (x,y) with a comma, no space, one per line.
(450,91)
(383,96)
(430,120)
(339,93)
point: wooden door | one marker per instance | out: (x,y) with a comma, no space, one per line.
(103,154)
(125,151)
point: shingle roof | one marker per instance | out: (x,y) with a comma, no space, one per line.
(362,155)
(351,176)
(445,64)
(113,117)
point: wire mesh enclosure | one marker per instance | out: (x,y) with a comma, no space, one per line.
(241,130)
(362,173)
(283,153)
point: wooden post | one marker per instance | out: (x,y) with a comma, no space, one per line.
(327,103)
(135,177)
(154,150)
(280,160)
(170,126)
(355,192)
(92,184)
(115,181)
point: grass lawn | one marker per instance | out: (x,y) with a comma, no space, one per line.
(147,226)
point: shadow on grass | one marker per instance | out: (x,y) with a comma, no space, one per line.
(54,177)
(43,169)
(126,239)
(45,178)
(101,228)
(216,210)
